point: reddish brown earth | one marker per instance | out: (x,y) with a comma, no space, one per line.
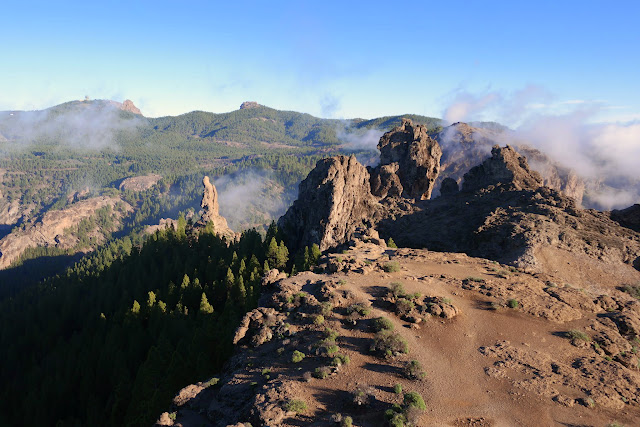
(490,365)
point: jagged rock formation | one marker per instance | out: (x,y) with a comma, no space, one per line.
(629,217)
(409,163)
(506,167)
(503,211)
(128,105)
(464,145)
(211,210)
(334,199)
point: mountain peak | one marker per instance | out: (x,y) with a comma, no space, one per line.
(249,104)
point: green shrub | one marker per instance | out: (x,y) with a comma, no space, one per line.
(474,279)
(413,370)
(212,382)
(513,303)
(575,334)
(331,349)
(391,244)
(381,323)
(397,389)
(397,289)
(346,422)
(173,416)
(404,306)
(414,400)
(330,336)
(359,308)
(391,267)
(318,320)
(295,405)
(322,372)
(634,291)
(388,344)
(297,356)
(326,308)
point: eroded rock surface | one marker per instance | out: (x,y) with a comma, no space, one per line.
(211,210)
(50,229)
(506,167)
(409,162)
(334,200)
(629,217)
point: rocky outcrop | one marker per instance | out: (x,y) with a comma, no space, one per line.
(506,167)
(50,229)
(249,104)
(464,146)
(629,217)
(211,210)
(128,105)
(409,163)
(449,187)
(139,183)
(333,200)
(505,213)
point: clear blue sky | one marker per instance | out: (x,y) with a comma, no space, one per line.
(331,59)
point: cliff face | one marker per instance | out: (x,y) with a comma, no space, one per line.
(464,146)
(211,210)
(502,212)
(333,201)
(409,163)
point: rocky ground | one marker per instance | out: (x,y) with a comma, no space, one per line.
(498,346)
(50,229)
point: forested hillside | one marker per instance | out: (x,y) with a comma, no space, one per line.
(51,159)
(110,341)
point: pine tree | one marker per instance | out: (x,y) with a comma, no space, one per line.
(136,307)
(185,282)
(315,254)
(272,253)
(152,299)
(205,307)
(282,256)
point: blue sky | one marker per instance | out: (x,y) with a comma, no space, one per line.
(330,59)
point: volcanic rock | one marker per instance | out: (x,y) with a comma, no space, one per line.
(409,153)
(449,187)
(249,104)
(334,200)
(505,166)
(629,217)
(464,145)
(128,105)
(211,210)
(139,183)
